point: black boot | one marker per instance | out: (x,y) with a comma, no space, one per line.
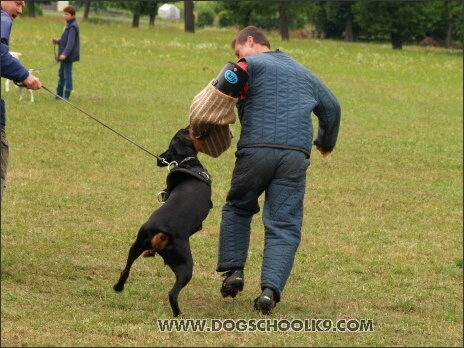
(233,283)
(266,301)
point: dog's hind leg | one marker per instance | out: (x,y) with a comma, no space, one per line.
(181,263)
(134,252)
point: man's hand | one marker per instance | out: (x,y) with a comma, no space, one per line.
(32,82)
(323,153)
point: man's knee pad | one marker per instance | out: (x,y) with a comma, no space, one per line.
(231,79)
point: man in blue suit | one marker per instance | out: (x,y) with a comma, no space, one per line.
(273,153)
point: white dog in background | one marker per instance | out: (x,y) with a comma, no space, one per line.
(20,88)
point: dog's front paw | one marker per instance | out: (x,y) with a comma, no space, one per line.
(118,287)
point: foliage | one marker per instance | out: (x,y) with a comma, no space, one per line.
(137,7)
(239,11)
(37,9)
(333,17)
(225,19)
(451,14)
(382,233)
(411,20)
(262,14)
(96,6)
(205,19)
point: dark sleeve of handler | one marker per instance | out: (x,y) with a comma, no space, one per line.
(328,112)
(11,67)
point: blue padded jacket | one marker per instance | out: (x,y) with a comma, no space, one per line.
(277,109)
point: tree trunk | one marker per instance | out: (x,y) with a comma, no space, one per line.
(349,28)
(151,22)
(86,11)
(396,40)
(449,31)
(31,9)
(136,21)
(189,18)
(283,23)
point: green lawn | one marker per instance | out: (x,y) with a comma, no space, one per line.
(382,235)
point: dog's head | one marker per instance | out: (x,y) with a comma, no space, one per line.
(180,147)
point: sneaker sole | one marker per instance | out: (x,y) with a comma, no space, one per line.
(264,306)
(228,290)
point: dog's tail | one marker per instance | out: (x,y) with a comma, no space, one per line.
(158,242)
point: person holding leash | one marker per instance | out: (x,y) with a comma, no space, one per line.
(12,69)
(273,154)
(68,52)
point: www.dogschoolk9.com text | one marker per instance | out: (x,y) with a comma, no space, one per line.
(265,325)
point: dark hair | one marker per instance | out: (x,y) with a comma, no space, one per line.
(70,9)
(255,33)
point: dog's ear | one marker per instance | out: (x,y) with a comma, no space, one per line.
(182,145)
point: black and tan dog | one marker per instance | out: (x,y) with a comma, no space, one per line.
(187,202)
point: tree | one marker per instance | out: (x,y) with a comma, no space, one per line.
(138,9)
(396,20)
(282,15)
(283,23)
(86,10)
(340,20)
(189,17)
(450,26)
(239,12)
(31,9)
(149,8)
(88,5)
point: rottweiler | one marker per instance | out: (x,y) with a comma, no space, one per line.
(186,204)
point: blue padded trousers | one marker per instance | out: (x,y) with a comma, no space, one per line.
(281,175)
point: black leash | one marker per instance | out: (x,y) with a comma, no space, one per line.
(55,58)
(111,129)
(45,68)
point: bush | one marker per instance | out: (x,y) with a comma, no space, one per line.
(225,19)
(205,19)
(38,10)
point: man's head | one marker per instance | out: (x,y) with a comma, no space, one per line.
(13,8)
(250,41)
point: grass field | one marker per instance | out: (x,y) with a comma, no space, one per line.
(382,235)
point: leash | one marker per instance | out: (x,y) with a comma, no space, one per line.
(45,68)
(55,58)
(111,129)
